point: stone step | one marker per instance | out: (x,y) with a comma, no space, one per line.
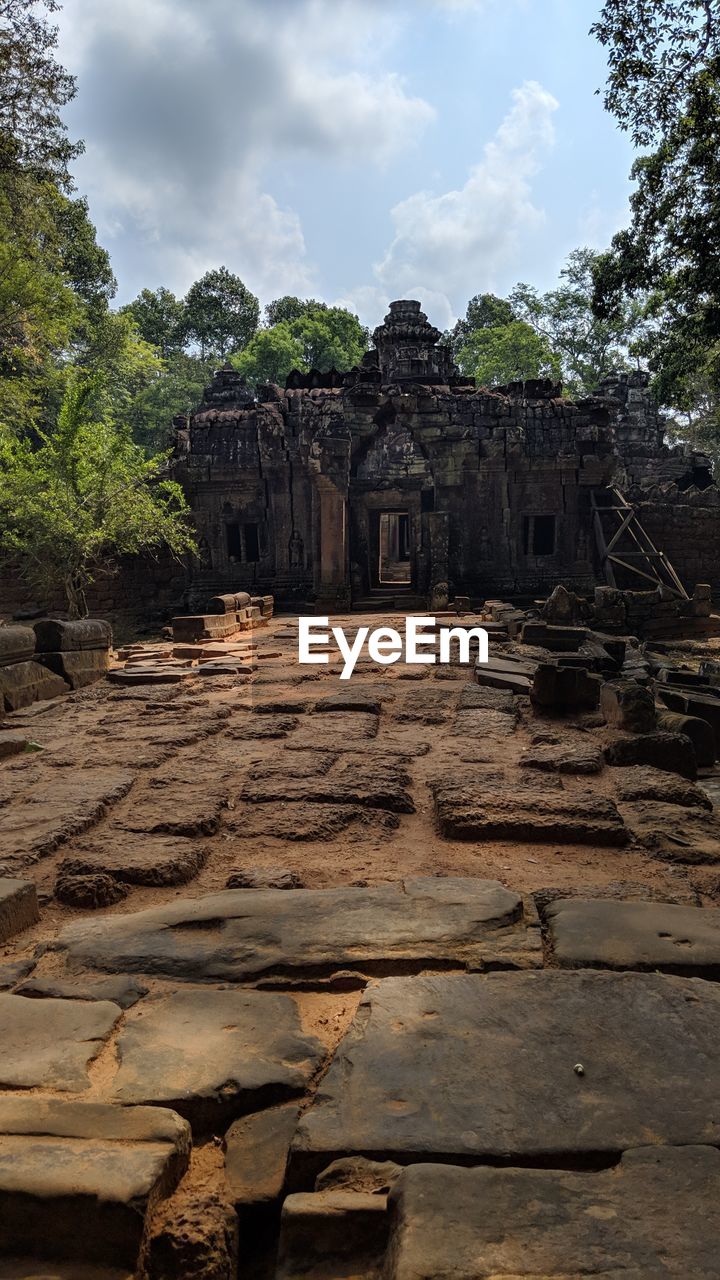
(78,1180)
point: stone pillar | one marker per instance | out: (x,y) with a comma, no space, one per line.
(333,583)
(438,531)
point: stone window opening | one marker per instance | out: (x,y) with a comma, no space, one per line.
(243,542)
(539,535)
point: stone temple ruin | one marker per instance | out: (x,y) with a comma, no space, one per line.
(404,977)
(402,480)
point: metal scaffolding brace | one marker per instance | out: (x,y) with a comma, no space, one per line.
(623,542)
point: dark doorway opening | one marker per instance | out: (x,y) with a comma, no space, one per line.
(539,535)
(394,567)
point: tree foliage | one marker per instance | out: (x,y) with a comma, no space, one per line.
(311,336)
(587,346)
(33,90)
(160,319)
(80,496)
(514,352)
(221,314)
(664,89)
(484,311)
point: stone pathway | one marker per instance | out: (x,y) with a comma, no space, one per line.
(464,1023)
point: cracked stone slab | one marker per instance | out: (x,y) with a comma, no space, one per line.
(247,933)
(481,1224)
(468,810)
(642,782)
(77,1180)
(673,834)
(474,1067)
(212,1055)
(48,1044)
(40,810)
(635,935)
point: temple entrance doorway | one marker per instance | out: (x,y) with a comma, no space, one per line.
(394,562)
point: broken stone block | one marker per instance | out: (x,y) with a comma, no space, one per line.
(264,878)
(256,1154)
(79,1180)
(243,934)
(520,1034)
(12,743)
(210,626)
(18,907)
(78,669)
(672,752)
(556,639)
(193,1237)
(556,688)
(52,635)
(353,700)
(17,644)
(698,731)
(28,682)
(88,889)
(158,674)
(642,782)
(677,835)
(702,706)
(49,1045)
(445,1219)
(627,705)
(470,810)
(337,1233)
(601,934)
(212,1055)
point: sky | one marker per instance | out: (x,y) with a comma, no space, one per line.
(354,151)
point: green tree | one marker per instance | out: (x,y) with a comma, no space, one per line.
(177,387)
(507,353)
(331,338)
(33,90)
(290,308)
(221,314)
(587,346)
(270,355)
(81,496)
(484,311)
(664,90)
(160,319)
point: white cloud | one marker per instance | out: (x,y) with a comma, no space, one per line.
(454,244)
(186,109)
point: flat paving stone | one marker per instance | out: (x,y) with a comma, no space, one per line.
(563,759)
(656,1215)
(40,810)
(212,1055)
(482,1067)
(48,1044)
(134,858)
(468,810)
(483,723)
(247,933)
(473,696)
(120,990)
(635,935)
(371,785)
(78,1179)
